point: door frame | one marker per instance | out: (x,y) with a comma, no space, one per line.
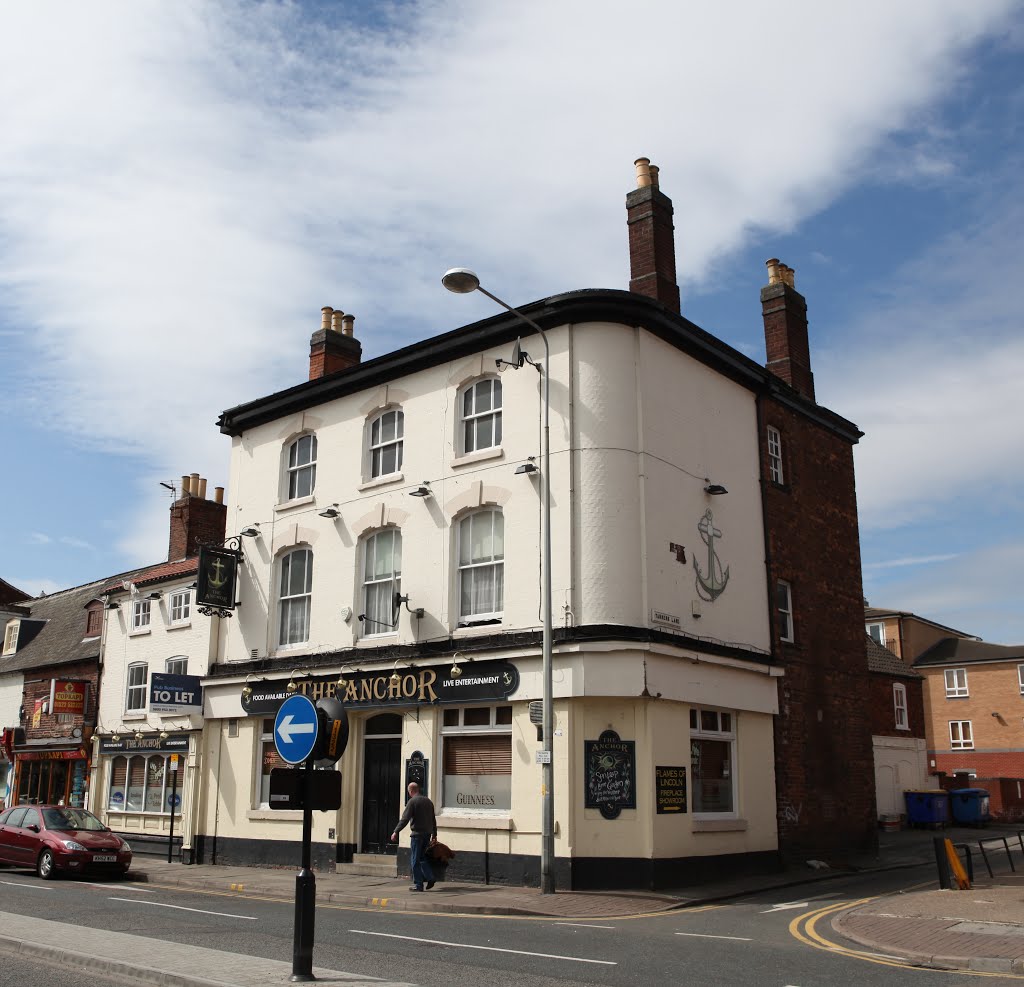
(360,841)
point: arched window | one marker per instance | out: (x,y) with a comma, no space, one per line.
(386,435)
(135,694)
(481,566)
(296,596)
(481,415)
(382,578)
(302,467)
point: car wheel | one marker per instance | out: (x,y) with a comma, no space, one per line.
(45,866)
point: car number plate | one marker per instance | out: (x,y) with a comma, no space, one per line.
(104,858)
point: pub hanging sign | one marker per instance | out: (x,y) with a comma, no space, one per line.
(484,681)
(218,573)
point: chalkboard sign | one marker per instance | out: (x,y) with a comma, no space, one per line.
(610,774)
(417,769)
(670,789)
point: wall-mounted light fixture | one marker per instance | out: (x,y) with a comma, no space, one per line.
(155,595)
(115,737)
(164,734)
(342,682)
(456,669)
(246,688)
(423,490)
(395,677)
(714,489)
(331,512)
(250,531)
(139,735)
(527,468)
(292,685)
(113,606)
(396,604)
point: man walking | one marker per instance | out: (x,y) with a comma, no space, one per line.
(419,810)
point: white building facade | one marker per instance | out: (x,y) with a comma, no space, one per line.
(392,557)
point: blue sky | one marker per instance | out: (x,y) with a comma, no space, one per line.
(182,187)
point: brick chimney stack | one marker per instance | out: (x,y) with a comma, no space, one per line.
(196,521)
(785,329)
(652,248)
(333,347)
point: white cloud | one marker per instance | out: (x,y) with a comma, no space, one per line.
(38,538)
(37,587)
(915,560)
(184,185)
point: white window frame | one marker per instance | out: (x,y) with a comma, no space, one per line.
(289,601)
(956,683)
(724,730)
(467,569)
(136,687)
(378,448)
(775,455)
(880,626)
(178,665)
(961,739)
(785,611)
(142,615)
(472,420)
(264,738)
(299,473)
(387,583)
(179,607)
(11,637)
(462,730)
(1020,678)
(899,701)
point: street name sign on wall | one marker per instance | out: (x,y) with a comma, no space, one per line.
(296,729)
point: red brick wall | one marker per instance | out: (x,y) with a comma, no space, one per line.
(652,251)
(195,522)
(882,709)
(823,758)
(37,686)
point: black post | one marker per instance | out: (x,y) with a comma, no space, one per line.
(305,890)
(174,794)
(942,862)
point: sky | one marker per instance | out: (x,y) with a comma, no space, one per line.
(183,186)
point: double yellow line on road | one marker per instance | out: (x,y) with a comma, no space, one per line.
(804,928)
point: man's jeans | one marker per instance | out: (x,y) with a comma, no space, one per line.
(421,869)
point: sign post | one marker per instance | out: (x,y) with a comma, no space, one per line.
(307,733)
(174,798)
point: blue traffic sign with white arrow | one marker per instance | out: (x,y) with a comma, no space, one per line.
(295,729)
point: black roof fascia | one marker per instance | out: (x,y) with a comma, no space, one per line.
(585,305)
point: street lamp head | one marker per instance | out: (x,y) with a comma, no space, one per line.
(461,280)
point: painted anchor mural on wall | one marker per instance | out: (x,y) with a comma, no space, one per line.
(710,585)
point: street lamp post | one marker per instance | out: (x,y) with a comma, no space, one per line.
(462,282)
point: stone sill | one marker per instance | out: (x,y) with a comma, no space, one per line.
(719,825)
(274,815)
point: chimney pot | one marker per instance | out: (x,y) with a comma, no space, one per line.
(202,488)
(654,175)
(325,317)
(348,324)
(774,275)
(218,495)
(336,317)
(193,485)
(643,172)
(185,481)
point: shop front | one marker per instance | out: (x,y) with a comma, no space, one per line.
(48,773)
(144,781)
(650,784)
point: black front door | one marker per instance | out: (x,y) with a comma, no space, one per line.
(382,783)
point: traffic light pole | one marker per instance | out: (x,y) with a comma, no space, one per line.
(305,891)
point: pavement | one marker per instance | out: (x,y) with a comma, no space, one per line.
(980,930)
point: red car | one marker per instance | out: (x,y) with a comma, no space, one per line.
(51,838)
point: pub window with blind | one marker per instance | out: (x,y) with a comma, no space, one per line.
(477,757)
(140,783)
(269,759)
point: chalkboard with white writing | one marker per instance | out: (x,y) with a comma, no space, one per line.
(609,774)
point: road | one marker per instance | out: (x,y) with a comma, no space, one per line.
(761,939)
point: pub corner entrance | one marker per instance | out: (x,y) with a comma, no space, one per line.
(382,782)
